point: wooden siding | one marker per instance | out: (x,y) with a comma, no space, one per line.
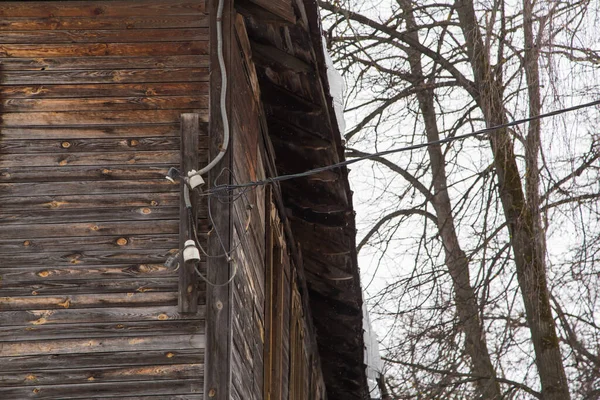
(91,94)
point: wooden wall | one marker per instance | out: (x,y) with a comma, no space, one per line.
(91,93)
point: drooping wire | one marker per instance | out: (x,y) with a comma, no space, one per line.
(228,188)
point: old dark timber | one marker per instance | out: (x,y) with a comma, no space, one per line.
(91,94)
(286,55)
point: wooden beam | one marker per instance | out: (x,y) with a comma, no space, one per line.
(217,379)
(188,281)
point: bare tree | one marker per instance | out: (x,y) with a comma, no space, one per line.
(425,70)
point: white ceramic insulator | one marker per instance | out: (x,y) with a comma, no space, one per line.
(190,251)
(195,180)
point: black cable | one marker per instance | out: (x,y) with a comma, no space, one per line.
(228,188)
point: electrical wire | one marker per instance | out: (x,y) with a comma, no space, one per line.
(225,188)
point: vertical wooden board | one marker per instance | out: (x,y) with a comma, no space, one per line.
(188,281)
(218,316)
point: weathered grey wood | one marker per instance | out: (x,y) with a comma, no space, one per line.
(115,8)
(129,242)
(18,174)
(101,63)
(99,22)
(41,362)
(188,281)
(139,299)
(59,317)
(282,8)
(90,145)
(113,389)
(28,232)
(218,373)
(82,215)
(97,345)
(99,375)
(58,202)
(98,187)
(99,330)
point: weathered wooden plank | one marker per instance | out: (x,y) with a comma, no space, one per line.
(133,299)
(91,258)
(38,91)
(188,281)
(87,118)
(50,273)
(83,187)
(89,201)
(105,374)
(90,145)
(218,371)
(102,159)
(104,76)
(25,217)
(104,49)
(100,132)
(99,330)
(41,362)
(28,232)
(281,8)
(103,36)
(104,104)
(164,388)
(95,315)
(114,8)
(103,243)
(101,63)
(77,173)
(141,343)
(56,288)
(100,22)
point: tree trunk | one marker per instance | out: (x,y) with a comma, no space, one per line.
(525,235)
(455,258)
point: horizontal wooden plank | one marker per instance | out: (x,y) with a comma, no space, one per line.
(60,272)
(95,315)
(133,299)
(104,36)
(54,216)
(100,22)
(41,362)
(90,258)
(72,77)
(100,132)
(103,243)
(89,145)
(45,91)
(99,330)
(84,187)
(56,288)
(164,389)
(105,49)
(11,349)
(29,232)
(170,158)
(100,63)
(168,199)
(99,375)
(118,8)
(105,104)
(77,173)
(86,118)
